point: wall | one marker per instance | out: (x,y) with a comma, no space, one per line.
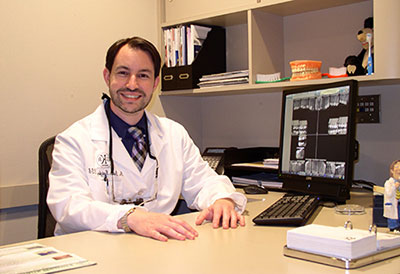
(379,143)
(52,58)
(254,120)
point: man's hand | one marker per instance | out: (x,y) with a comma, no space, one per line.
(222,210)
(160,226)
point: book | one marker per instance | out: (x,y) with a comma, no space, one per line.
(182,44)
(339,242)
(195,40)
(37,258)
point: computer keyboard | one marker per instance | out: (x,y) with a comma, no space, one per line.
(289,210)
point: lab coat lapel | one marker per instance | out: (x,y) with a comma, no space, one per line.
(157,143)
(121,155)
(99,125)
(100,132)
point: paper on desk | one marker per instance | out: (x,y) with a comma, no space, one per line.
(387,240)
(332,241)
(257,164)
(37,258)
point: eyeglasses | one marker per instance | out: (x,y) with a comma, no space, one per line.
(137,201)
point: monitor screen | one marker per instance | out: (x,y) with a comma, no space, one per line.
(317,146)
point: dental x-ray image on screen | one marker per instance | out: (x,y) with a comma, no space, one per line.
(318,144)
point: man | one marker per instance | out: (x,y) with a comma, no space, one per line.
(391,208)
(123,169)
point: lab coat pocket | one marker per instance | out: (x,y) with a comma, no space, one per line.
(100,189)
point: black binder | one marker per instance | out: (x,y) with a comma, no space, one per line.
(210,59)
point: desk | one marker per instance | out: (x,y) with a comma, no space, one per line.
(250,249)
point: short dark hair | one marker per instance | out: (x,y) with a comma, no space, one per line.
(134,43)
(392,167)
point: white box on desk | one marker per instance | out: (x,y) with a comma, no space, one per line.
(332,241)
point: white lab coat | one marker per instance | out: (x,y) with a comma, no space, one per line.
(390,202)
(80,199)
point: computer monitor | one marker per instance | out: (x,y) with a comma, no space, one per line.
(317,145)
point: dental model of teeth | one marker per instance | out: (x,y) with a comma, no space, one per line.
(305,70)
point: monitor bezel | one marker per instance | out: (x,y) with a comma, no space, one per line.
(327,188)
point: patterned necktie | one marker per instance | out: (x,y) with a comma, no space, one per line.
(139,149)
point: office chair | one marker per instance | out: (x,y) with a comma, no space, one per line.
(46,222)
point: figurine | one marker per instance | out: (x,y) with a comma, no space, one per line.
(391,198)
(362,64)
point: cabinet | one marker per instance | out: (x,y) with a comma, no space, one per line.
(176,10)
(264,36)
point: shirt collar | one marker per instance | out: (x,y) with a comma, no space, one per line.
(121,127)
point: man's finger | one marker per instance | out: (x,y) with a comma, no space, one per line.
(234,219)
(216,217)
(187,231)
(202,216)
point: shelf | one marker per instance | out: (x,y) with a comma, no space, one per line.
(277,87)
(300,30)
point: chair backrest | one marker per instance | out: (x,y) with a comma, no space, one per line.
(46,222)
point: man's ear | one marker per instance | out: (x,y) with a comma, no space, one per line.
(106,75)
(156,82)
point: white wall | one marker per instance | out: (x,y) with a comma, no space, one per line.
(254,120)
(52,57)
(379,143)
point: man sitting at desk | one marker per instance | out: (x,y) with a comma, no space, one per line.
(123,169)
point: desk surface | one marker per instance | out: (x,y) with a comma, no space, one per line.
(249,249)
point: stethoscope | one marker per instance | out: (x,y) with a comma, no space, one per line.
(138,201)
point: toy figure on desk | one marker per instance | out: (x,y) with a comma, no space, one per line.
(391,198)
(362,64)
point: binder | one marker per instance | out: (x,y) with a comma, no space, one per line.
(210,59)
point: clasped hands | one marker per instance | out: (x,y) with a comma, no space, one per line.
(163,227)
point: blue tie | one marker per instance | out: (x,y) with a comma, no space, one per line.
(139,149)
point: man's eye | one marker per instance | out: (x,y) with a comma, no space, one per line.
(144,75)
(122,73)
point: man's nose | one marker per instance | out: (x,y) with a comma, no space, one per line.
(132,83)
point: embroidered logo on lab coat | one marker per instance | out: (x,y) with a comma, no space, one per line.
(103,160)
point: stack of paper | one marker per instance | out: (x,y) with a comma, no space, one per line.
(272,163)
(386,240)
(268,180)
(37,258)
(332,241)
(226,78)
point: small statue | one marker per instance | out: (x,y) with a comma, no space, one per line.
(391,198)
(362,64)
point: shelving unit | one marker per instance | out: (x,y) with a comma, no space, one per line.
(364,81)
(263,36)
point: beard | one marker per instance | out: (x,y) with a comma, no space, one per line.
(130,107)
